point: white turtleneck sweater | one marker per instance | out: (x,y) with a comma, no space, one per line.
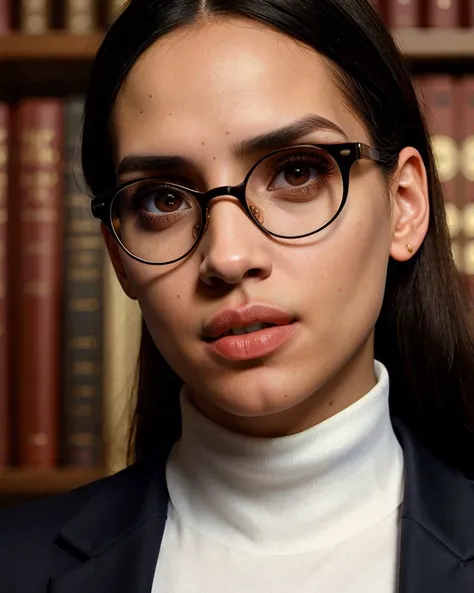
(314,512)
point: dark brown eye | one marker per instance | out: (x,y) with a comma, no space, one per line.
(297,174)
(157,199)
(168,202)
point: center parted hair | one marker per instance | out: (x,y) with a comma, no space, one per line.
(423,334)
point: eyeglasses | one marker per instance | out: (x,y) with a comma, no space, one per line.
(290,193)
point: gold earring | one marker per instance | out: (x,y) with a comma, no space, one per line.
(410,248)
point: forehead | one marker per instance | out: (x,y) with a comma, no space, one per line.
(221,81)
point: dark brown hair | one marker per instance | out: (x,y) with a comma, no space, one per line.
(422,335)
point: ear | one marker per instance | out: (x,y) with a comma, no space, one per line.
(410,205)
(114,254)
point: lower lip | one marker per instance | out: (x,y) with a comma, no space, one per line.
(254,345)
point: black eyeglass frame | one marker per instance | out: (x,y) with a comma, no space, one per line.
(345,155)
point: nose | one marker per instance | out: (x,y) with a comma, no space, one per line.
(233,247)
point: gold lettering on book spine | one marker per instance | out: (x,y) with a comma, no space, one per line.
(38,182)
(469,258)
(446,155)
(444,4)
(467,158)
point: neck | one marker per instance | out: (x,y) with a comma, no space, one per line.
(293,493)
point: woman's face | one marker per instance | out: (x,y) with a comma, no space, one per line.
(195,94)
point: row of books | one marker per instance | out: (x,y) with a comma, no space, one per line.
(86,16)
(69,337)
(448,104)
(426,13)
(75,16)
(67,360)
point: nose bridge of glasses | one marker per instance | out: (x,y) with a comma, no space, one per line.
(235,191)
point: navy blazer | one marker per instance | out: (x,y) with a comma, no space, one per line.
(105,537)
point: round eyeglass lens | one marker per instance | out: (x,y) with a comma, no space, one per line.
(155,221)
(295,191)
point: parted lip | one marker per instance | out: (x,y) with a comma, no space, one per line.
(237,318)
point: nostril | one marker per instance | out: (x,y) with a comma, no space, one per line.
(253,273)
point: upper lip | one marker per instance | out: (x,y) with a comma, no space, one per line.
(227,319)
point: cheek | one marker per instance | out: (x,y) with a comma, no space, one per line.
(360,261)
(166,298)
(341,279)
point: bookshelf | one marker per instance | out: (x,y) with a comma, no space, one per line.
(59,60)
(55,46)
(436,44)
(416,44)
(33,482)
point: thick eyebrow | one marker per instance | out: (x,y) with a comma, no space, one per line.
(149,163)
(287,134)
(265,142)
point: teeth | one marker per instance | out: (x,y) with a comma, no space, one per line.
(246,330)
(254,328)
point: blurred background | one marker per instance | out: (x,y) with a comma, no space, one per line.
(68,335)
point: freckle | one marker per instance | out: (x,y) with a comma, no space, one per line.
(170,114)
(213,158)
(178,296)
(150,96)
(331,403)
(227,133)
(339,290)
(203,143)
(141,111)
(322,277)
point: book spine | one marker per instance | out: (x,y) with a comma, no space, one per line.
(114,8)
(5,16)
(442,104)
(380,7)
(470,13)
(83,313)
(5,419)
(122,327)
(35,16)
(375,5)
(81,16)
(443,13)
(467,169)
(39,128)
(403,13)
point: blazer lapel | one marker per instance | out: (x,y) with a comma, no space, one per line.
(437,531)
(115,539)
(117,535)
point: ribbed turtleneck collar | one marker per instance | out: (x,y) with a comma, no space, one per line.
(290,494)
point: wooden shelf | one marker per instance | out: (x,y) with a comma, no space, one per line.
(55,46)
(416,44)
(436,44)
(32,482)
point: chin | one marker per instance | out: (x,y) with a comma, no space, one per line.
(253,399)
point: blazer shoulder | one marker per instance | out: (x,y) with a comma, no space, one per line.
(39,516)
(28,532)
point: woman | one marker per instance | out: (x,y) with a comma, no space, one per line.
(268,194)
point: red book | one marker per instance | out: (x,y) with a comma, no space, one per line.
(5,421)
(5,16)
(441,99)
(470,13)
(39,131)
(443,13)
(403,13)
(466,119)
(380,7)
